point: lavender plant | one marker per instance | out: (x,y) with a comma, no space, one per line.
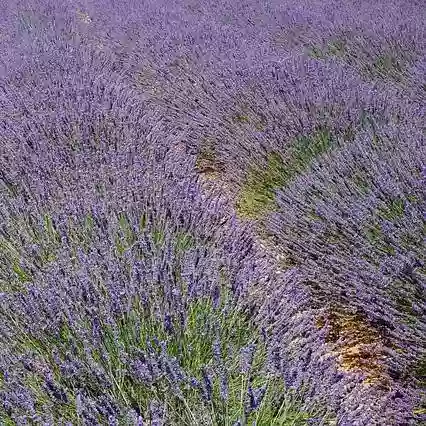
(131,293)
(87,348)
(102,306)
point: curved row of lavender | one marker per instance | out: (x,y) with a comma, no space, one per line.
(132,296)
(124,287)
(120,280)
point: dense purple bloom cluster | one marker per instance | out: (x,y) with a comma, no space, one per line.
(207,208)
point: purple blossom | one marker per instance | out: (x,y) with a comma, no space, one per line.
(103,112)
(256,396)
(157,411)
(246,357)
(207,384)
(168,325)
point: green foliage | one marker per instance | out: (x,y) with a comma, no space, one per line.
(420,411)
(403,293)
(316,52)
(142,222)
(11,189)
(125,237)
(337,47)
(393,210)
(389,63)
(23,276)
(49,240)
(306,149)
(383,245)
(241,118)
(191,345)
(51,234)
(257,196)
(6,420)
(80,234)
(158,236)
(12,275)
(420,371)
(249,117)
(361,181)
(377,239)
(386,65)
(183,241)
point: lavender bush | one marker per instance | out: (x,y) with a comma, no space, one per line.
(89,347)
(212,213)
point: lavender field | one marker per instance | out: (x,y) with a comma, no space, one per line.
(213,213)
